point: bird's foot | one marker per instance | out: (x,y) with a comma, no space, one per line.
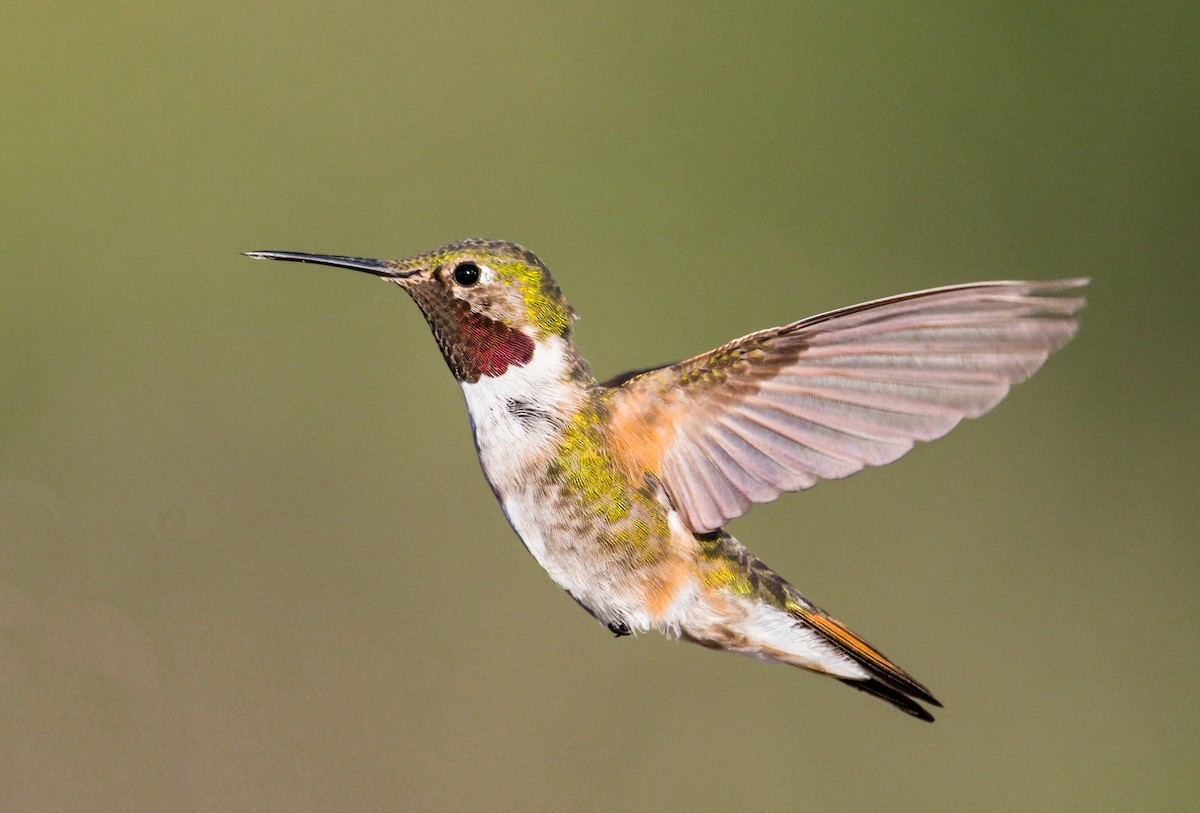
(619,629)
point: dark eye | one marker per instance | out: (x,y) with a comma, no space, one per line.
(466,274)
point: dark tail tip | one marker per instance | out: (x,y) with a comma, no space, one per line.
(897,698)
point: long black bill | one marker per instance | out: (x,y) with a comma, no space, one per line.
(379,268)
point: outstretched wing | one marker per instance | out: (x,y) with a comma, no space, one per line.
(820,398)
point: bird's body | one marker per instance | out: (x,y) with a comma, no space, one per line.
(611,537)
(620,490)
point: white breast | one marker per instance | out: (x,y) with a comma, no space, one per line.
(517,421)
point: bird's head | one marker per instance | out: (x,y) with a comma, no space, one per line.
(489,303)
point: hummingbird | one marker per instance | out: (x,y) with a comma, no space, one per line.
(621,489)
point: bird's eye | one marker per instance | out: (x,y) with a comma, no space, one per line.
(466,274)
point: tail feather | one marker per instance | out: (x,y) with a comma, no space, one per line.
(887,681)
(737,573)
(876,687)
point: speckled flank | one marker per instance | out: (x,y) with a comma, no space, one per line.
(586,468)
(629,518)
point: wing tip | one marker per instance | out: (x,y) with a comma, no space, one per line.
(1071,282)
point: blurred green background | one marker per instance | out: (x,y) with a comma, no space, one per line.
(247,559)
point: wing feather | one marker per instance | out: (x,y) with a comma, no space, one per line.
(798,451)
(821,398)
(806,428)
(773,465)
(748,467)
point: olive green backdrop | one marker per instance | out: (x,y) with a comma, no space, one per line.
(247,559)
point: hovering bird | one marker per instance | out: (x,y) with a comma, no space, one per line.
(620,489)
